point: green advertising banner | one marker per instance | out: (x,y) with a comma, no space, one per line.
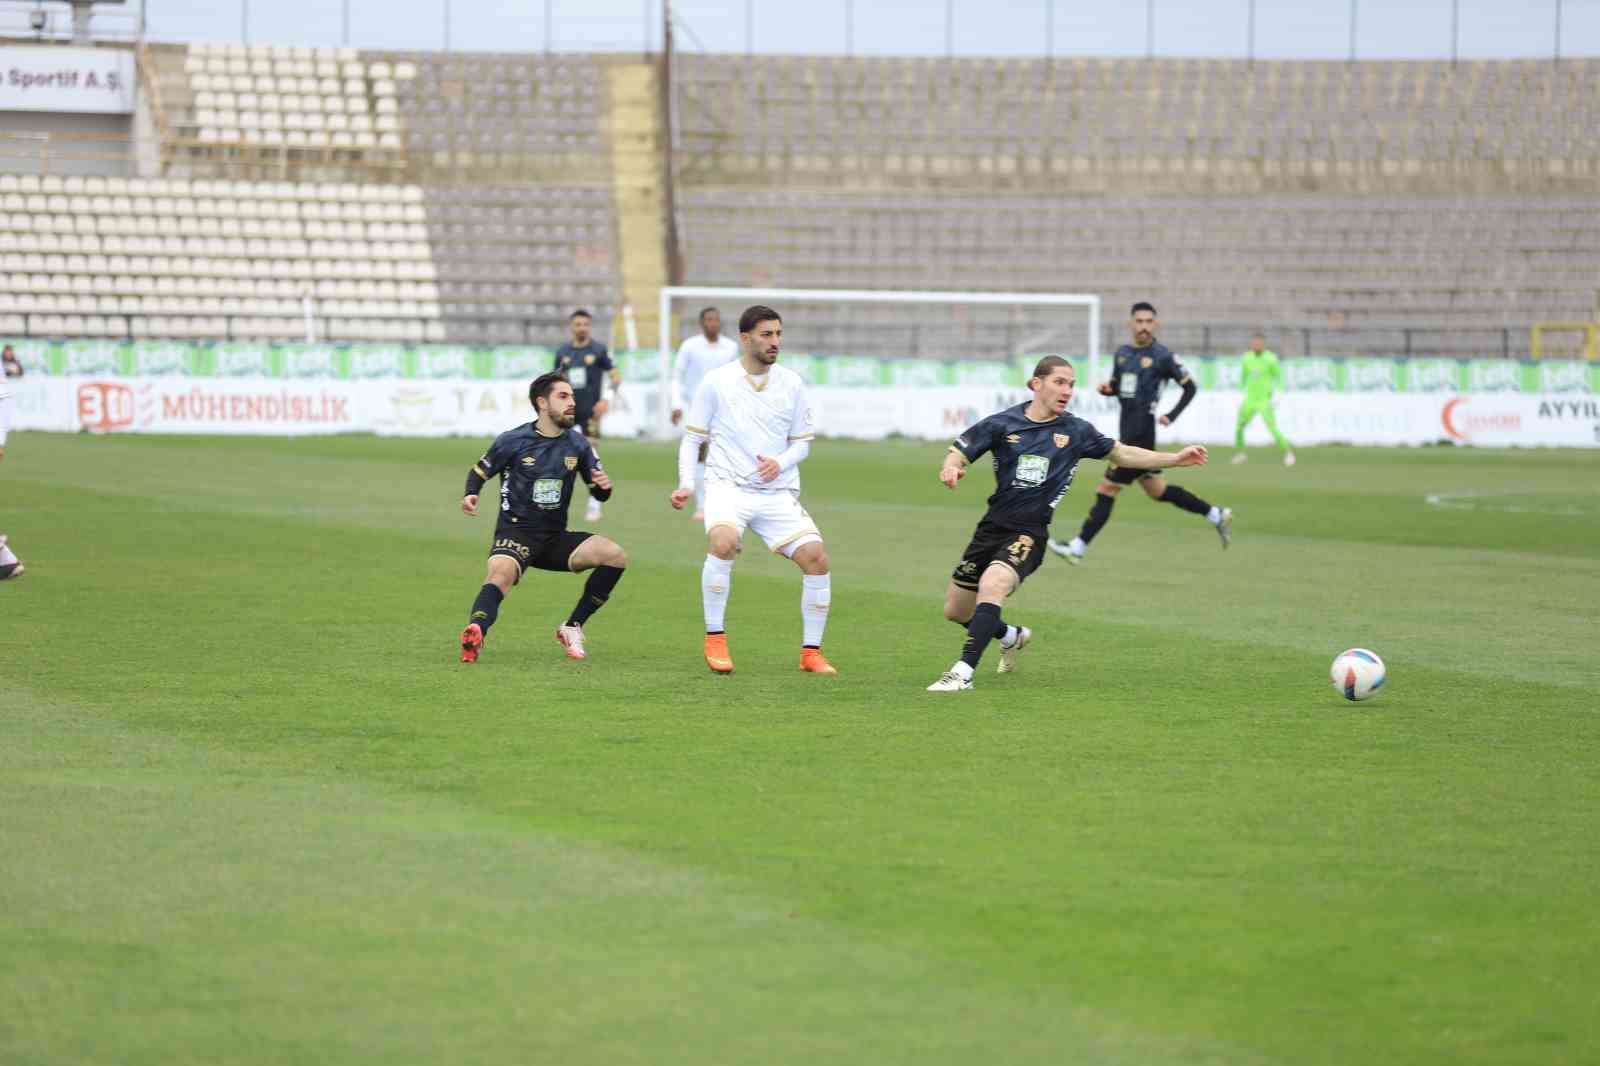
(425,362)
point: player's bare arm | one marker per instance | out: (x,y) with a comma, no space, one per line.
(1144,459)
(954,468)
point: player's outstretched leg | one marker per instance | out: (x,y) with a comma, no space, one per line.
(10,565)
(994,586)
(816,596)
(503,573)
(1220,517)
(607,560)
(958,607)
(1099,514)
(716,579)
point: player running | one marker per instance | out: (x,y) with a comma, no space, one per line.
(697,357)
(1139,371)
(585,362)
(756,419)
(1036,446)
(1262,376)
(538,464)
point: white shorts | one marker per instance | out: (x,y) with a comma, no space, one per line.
(775,517)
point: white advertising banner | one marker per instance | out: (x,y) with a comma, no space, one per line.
(475,408)
(46,78)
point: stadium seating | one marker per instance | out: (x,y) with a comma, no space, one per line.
(116,257)
(1415,195)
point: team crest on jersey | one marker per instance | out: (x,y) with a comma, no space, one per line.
(1012,438)
(571,461)
(1146,362)
(588,360)
(1061,439)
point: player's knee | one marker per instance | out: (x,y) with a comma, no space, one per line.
(611,554)
(1155,488)
(812,560)
(1109,488)
(723,543)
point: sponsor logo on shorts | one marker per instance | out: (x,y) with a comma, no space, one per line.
(506,544)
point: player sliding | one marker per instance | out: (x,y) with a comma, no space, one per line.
(1139,371)
(1036,448)
(538,464)
(757,421)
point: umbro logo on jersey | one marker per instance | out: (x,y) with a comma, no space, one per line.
(1012,438)
(528,460)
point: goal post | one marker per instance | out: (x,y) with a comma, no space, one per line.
(1038,326)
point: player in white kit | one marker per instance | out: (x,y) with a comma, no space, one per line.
(756,419)
(697,357)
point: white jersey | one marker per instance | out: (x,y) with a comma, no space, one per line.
(697,357)
(746,417)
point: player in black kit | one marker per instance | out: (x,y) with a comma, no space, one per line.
(1036,447)
(1139,370)
(538,464)
(586,362)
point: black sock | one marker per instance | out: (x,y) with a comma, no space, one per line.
(486,607)
(980,631)
(1099,515)
(8,569)
(595,593)
(1000,629)
(1185,500)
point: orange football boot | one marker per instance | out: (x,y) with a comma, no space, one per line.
(812,662)
(717,656)
(471,641)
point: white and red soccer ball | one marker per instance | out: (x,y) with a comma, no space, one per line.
(1357,674)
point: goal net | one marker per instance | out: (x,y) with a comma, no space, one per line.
(883,362)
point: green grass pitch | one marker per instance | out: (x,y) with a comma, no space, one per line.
(252,810)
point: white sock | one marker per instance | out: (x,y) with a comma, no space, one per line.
(7,556)
(815,597)
(1077,547)
(699,486)
(1214,515)
(962,670)
(1009,637)
(715,578)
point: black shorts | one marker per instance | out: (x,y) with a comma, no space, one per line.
(1142,437)
(1020,549)
(541,549)
(588,424)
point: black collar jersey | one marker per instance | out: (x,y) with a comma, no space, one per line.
(1137,376)
(537,473)
(1033,461)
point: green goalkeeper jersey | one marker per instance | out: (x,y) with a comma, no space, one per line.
(1262,376)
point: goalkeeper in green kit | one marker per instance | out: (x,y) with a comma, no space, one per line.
(1262,376)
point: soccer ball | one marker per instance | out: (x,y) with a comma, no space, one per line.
(1357,674)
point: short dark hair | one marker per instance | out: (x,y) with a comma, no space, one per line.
(1143,305)
(704,311)
(754,316)
(540,389)
(580,313)
(1050,362)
